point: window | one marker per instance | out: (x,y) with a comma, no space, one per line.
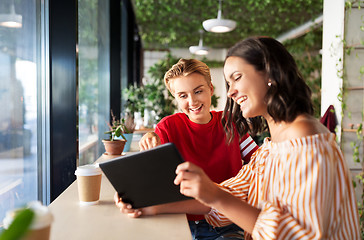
(20,90)
(43,83)
(93,71)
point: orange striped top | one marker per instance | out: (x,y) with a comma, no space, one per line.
(303,188)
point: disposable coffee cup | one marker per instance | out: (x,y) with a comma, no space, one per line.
(89,184)
(40,227)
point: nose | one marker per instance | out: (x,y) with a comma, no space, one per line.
(191,99)
(231,92)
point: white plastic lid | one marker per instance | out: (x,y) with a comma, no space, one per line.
(42,218)
(88,170)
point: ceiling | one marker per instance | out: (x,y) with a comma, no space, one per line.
(167,24)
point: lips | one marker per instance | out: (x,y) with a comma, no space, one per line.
(241,100)
(196,109)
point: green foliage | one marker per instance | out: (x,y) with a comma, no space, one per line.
(175,23)
(360,177)
(214,100)
(134,99)
(213,63)
(306,53)
(157,96)
(119,127)
(19,226)
(153,95)
(158,70)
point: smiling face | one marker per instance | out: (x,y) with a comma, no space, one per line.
(193,96)
(247,87)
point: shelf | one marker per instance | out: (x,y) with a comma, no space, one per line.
(353,130)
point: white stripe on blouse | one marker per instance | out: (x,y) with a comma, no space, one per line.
(303,188)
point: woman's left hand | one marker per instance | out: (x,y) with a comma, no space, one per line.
(195,183)
(133,213)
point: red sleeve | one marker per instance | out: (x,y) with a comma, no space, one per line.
(247,147)
(161,131)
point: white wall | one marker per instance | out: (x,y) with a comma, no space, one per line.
(332,52)
(338,25)
(219,87)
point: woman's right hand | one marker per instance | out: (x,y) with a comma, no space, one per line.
(128,209)
(149,140)
(195,183)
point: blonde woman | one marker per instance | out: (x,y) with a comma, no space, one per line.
(199,135)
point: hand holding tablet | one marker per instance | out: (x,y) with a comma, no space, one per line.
(146,178)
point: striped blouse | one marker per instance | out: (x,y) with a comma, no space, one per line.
(303,188)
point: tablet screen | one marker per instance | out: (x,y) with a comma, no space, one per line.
(146,178)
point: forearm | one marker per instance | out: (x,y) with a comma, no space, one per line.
(189,206)
(238,211)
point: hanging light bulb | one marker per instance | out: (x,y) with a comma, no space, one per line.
(219,25)
(200,49)
(11,20)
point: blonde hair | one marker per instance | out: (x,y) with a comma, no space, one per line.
(185,67)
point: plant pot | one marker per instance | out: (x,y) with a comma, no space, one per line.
(129,139)
(115,147)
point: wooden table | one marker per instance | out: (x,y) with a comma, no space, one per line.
(104,221)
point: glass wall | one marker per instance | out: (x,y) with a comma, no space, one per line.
(93,68)
(20,81)
(39,105)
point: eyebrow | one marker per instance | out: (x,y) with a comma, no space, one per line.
(193,89)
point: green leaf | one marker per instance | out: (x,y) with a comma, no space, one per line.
(19,226)
(118,131)
(361,70)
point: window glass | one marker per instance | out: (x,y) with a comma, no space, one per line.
(19,81)
(93,67)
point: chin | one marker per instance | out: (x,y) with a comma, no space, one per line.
(247,115)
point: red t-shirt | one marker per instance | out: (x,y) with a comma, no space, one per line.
(205,146)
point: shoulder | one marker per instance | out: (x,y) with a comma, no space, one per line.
(304,126)
(216,114)
(170,124)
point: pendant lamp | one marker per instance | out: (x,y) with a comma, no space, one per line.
(11,20)
(200,49)
(219,25)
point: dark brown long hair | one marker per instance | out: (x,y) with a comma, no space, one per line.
(287,97)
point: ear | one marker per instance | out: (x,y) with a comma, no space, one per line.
(212,89)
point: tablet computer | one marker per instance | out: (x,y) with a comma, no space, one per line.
(146,178)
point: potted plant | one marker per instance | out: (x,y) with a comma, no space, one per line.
(114,145)
(128,127)
(19,226)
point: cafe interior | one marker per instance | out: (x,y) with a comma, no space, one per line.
(67,68)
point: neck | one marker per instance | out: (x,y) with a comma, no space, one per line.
(277,129)
(201,122)
(281,131)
